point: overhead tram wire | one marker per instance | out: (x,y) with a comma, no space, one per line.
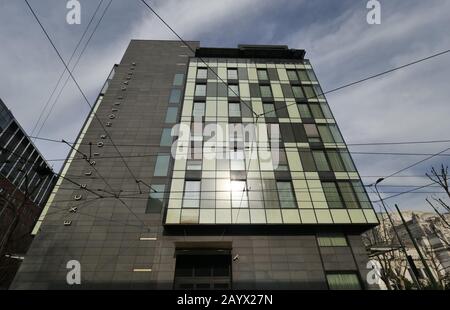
(366,185)
(364,79)
(353,153)
(62,74)
(349,144)
(416,163)
(410,191)
(80,90)
(201,59)
(115,196)
(74,66)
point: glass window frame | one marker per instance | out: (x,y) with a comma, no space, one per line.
(191,195)
(291,201)
(200,75)
(267,87)
(162,163)
(197,92)
(232,76)
(262,74)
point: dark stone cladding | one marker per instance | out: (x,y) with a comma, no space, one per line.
(104,235)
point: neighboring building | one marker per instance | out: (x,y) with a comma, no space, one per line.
(275,219)
(25,186)
(432,234)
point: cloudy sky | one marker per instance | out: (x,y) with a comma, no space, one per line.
(407,105)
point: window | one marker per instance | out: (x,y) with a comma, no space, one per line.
(239,198)
(304,111)
(155,198)
(302,75)
(307,161)
(202,73)
(340,195)
(279,160)
(198,109)
(347,194)
(175,96)
(171,116)
(211,270)
(335,161)
(343,281)
(208,195)
(336,134)
(316,111)
(312,133)
(237,160)
(326,110)
(162,165)
(166,138)
(232,74)
(321,161)
(233,90)
(309,92)
(178,79)
(361,194)
(269,110)
(325,134)
(319,92)
(332,195)
(333,240)
(200,90)
(194,164)
(262,75)
(286,195)
(191,197)
(234,110)
(347,160)
(292,75)
(297,91)
(311,75)
(266,91)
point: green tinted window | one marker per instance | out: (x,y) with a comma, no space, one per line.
(166,138)
(302,75)
(265,91)
(332,195)
(343,281)
(292,75)
(304,111)
(175,96)
(335,161)
(178,79)
(307,161)
(171,116)
(162,165)
(321,161)
(347,194)
(262,74)
(297,91)
(156,198)
(316,111)
(331,240)
(286,195)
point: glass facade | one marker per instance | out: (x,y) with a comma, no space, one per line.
(307,178)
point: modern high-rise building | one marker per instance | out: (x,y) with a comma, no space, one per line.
(26,181)
(258,192)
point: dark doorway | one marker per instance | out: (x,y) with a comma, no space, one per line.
(203,270)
